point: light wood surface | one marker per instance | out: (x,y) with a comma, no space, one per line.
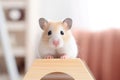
(76,68)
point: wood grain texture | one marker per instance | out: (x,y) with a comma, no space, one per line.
(76,68)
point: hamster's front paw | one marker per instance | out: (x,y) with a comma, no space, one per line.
(64,56)
(48,57)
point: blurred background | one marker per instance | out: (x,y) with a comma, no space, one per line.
(96,27)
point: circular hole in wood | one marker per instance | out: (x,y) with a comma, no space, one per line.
(57,76)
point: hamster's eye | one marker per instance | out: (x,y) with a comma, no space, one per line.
(49,33)
(61,32)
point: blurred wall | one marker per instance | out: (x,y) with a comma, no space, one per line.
(93,15)
(60,9)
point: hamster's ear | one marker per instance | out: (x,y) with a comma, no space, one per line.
(43,23)
(67,23)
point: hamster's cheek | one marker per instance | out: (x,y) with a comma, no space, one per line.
(51,43)
(61,43)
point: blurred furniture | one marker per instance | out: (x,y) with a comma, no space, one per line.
(15,14)
(15,11)
(101,52)
(9,57)
(75,68)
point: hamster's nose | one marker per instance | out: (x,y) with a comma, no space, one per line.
(56,42)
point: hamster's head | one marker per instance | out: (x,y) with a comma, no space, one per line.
(55,34)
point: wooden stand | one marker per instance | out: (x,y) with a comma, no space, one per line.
(73,67)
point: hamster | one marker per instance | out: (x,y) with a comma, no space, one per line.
(57,40)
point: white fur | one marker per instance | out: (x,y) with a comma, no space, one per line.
(69,48)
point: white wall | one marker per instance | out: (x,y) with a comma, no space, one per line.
(61,9)
(104,14)
(87,14)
